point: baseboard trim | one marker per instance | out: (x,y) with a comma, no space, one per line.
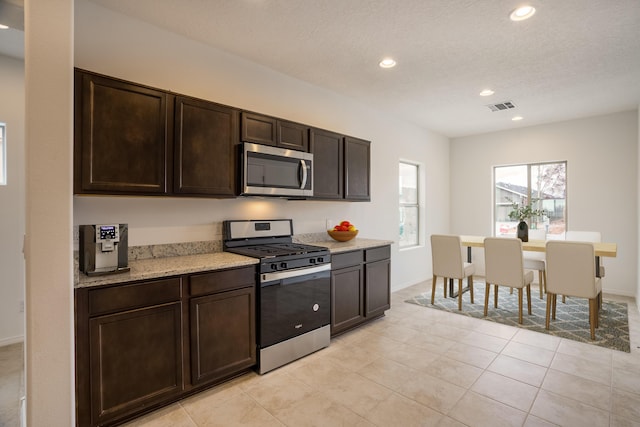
(11,340)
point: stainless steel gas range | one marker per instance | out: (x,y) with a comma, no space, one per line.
(294,287)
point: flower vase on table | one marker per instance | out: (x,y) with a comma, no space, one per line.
(523,231)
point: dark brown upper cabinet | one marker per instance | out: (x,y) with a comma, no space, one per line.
(266,130)
(206,135)
(120,141)
(357,169)
(341,166)
(328,164)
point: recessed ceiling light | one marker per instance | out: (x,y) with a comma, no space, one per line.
(3,27)
(517,118)
(522,13)
(387,63)
(487,92)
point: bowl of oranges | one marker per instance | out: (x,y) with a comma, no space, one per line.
(343,232)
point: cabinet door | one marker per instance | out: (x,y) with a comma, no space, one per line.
(347,298)
(121,144)
(378,296)
(205,140)
(293,136)
(328,164)
(258,129)
(357,169)
(223,340)
(136,360)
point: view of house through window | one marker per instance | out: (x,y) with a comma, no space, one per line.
(409,208)
(543,185)
(3,155)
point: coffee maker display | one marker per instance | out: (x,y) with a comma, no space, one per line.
(103,249)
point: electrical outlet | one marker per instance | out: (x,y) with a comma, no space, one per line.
(21,306)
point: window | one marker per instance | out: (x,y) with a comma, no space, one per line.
(3,155)
(544,185)
(409,208)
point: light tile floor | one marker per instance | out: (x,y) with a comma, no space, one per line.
(423,367)
(11,384)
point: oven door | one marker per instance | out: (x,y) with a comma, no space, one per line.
(273,171)
(292,306)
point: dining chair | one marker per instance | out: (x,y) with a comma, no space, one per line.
(571,270)
(535,260)
(586,236)
(446,254)
(504,266)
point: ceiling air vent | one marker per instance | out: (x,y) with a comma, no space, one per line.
(506,105)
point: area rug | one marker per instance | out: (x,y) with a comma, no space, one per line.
(572,318)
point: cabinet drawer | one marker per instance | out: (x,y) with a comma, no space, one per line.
(377,254)
(223,280)
(346,259)
(125,297)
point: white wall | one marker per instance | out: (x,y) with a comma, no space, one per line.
(116,45)
(12,202)
(602,182)
(48,220)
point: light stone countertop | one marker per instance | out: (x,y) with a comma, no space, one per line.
(336,247)
(154,268)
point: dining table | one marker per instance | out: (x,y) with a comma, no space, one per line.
(602,249)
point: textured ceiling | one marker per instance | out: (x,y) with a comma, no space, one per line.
(573,58)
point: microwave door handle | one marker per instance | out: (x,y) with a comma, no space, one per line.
(303,167)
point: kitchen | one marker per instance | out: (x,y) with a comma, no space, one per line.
(219,79)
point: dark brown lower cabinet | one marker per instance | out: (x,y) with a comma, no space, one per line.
(347,298)
(222,334)
(136,360)
(142,345)
(360,287)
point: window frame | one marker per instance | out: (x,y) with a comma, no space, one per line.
(530,189)
(3,153)
(416,206)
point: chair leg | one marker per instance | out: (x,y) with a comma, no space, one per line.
(433,288)
(544,279)
(529,299)
(553,308)
(470,284)
(510,291)
(564,299)
(495,296)
(593,313)
(549,302)
(540,283)
(446,285)
(520,306)
(459,294)
(486,298)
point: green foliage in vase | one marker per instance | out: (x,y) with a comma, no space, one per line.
(521,213)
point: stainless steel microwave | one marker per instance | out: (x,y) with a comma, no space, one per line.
(274,171)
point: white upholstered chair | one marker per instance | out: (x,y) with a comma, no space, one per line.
(586,236)
(446,254)
(504,267)
(535,260)
(571,270)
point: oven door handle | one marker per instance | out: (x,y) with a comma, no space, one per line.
(280,275)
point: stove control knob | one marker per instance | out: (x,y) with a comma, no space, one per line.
(274,266)
(312,260)
(283,265)
(320,259)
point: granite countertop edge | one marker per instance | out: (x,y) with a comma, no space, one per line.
(156,268)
